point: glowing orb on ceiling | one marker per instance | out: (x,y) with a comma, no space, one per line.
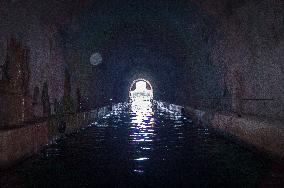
(96,59)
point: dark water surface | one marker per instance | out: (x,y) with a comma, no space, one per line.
(152,148)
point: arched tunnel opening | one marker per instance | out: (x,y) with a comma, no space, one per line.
(134,93)
(141,88)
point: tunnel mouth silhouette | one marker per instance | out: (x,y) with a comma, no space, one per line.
(141,90)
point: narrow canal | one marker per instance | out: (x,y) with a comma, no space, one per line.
(141,147)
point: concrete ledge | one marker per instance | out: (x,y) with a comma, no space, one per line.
(264,134)
(19,143)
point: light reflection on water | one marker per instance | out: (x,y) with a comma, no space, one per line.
(141,123)
(152,145)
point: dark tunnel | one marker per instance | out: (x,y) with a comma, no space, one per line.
(141,93)
(146,42)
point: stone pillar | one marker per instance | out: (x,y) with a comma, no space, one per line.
(67,101)
(37,108)
(19,106)
(46,111)
(237,93)
(79,101)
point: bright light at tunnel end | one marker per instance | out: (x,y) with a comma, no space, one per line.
(140,90)
(141,96)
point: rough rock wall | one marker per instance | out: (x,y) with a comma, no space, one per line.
(248,55)
(25,23)
(252,51)
(238,66)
